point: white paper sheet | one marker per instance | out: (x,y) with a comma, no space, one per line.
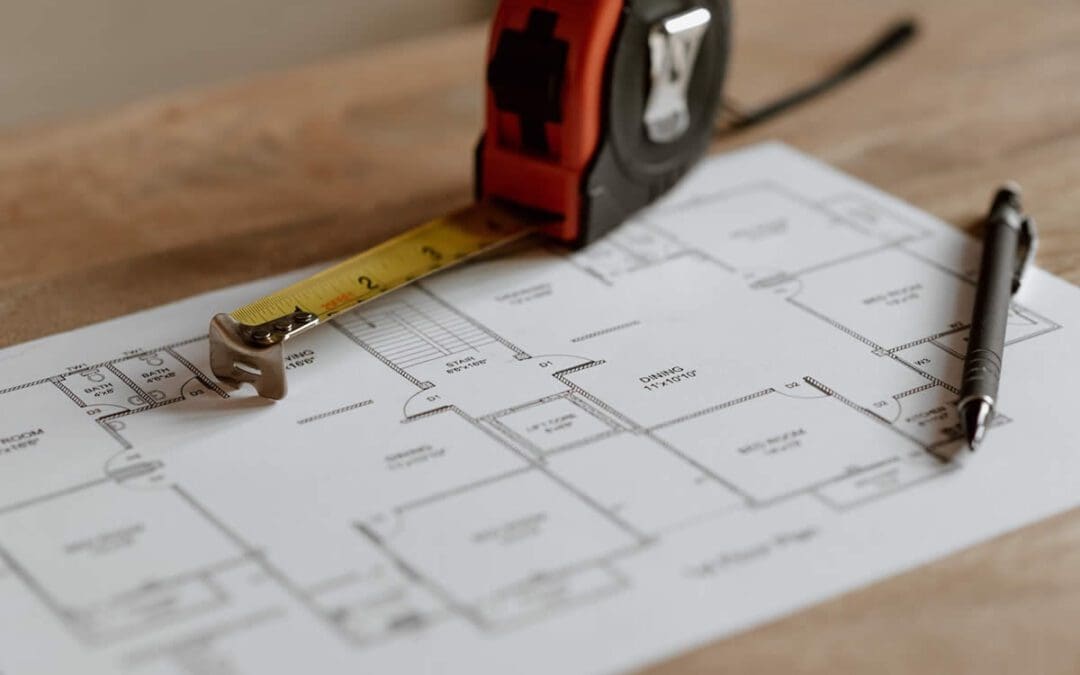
(544,463)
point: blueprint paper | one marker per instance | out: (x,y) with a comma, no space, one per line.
(547,462)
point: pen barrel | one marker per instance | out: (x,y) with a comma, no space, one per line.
(986,341)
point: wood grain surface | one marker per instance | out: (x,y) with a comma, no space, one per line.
(185,194)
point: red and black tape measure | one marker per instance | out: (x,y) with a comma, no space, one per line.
(594,109)
(597,107)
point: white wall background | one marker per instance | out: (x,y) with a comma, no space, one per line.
(62,57)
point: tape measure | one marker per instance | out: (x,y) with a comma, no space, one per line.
(594,108)
(245,345)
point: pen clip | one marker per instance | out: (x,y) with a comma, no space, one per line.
(1025,251)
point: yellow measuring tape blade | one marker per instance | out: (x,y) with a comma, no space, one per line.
(416,253)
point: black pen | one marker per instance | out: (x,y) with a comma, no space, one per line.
(1008,246)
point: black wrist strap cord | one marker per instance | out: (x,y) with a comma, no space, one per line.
(895,38)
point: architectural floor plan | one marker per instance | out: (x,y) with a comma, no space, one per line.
(545,462)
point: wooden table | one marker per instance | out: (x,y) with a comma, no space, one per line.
(181,195)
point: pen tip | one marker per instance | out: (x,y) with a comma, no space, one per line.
(974,416)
